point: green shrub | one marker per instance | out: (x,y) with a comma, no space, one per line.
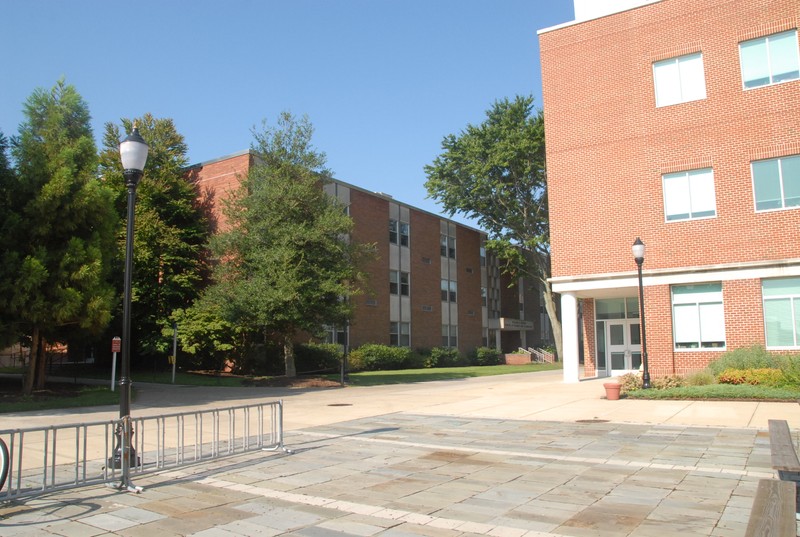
(755,377)
(487,356)
(630,382)
(312,357)
(373,357)
(755,357)
(445,357)
(790,368)
(700,378)
(670,381)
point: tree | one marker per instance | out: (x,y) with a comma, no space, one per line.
(286,264)
(9,256)
(171,232)
(66,222)
(495,173)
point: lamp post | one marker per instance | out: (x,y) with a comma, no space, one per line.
(133,153)
(638,255)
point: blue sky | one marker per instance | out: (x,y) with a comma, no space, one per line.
(382,81)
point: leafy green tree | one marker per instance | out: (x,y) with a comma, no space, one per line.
(495,173)
(170,235)
(286,264)
(66,224)
(9,239)
(210,340)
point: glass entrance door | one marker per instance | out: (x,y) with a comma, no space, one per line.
(623,339)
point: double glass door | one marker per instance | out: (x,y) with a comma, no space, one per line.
(624,345)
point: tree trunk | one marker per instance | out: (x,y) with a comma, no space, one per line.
(41,365)
(555,324)
(288,357)
(27,387)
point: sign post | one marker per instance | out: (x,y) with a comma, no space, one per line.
(116,345)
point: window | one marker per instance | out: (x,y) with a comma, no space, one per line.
(483,296)
(698,318)
(769,60)
(449,335)
(782,312)
(679,80)
(399,334)
(398,283)
(447,246)
(776,183)
(404,229)
(689,195)
(448,291)
(398,229)
(483,256)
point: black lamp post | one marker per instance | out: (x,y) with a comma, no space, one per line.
(638,255)
(133,153)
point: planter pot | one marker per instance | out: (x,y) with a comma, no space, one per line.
(612,390)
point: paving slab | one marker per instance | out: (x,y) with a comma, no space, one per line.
(517,456)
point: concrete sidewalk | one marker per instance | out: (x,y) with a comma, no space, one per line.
(504,456)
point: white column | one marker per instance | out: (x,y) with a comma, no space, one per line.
(569,333)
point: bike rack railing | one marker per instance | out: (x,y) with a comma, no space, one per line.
(37,460)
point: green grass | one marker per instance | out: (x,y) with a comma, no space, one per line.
(407,376)
(82,397)
(724,392)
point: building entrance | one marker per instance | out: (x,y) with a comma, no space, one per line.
(618,336)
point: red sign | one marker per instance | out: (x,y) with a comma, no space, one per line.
(116,344)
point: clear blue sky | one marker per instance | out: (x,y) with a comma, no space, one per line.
(383,81)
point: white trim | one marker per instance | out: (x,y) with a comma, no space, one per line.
(683,275)
(573,23)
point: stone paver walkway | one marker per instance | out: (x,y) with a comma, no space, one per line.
(412,475)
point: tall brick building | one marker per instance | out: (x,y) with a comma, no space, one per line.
(431,283)
(677,121)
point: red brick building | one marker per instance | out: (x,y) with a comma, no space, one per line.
(677,121)
(431,283)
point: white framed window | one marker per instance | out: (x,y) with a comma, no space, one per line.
(776,183)
(769,60)
(449,291)
(689,195)
(698,317)
(781,312)
(399,232)
(449,335)
(679,80)
(447,246)
(400,334)
(399,283)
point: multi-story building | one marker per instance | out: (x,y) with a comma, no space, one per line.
(676,121)
(431,283)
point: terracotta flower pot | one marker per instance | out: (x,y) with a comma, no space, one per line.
(612,390)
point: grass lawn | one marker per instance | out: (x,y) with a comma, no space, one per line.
(73,394)
(406,376)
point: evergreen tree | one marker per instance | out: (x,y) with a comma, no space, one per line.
(170,234)
(66,224)
(286,264)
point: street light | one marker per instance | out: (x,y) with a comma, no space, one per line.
(638,255)
(133,153)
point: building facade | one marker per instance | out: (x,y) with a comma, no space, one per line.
(431,283)
(676,121)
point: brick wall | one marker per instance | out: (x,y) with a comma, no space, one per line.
(371,226)
(608,145)
(425,281)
